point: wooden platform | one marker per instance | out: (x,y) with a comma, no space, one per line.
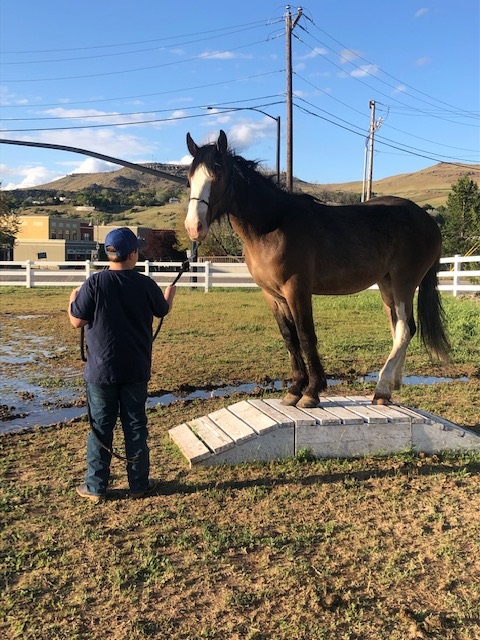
(340,427)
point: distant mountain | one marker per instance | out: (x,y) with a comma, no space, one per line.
(119,180)
(428,186)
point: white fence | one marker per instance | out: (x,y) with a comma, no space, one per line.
(459,275)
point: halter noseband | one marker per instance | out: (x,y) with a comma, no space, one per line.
(200,200)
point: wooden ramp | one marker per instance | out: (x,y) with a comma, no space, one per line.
(340,427)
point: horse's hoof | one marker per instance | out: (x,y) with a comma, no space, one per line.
(306,402)
(290,400)
(383,400)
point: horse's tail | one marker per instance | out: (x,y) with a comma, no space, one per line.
(431,315)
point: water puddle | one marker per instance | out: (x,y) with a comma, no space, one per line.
(373,377)
(25,405)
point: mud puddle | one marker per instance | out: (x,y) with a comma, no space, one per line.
(25,405)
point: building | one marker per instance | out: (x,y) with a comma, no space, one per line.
(58,239)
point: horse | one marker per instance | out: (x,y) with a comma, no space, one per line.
(295,246)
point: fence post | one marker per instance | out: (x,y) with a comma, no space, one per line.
(147,268)
(207,276)
(457,265)
(29,278)
(88,265)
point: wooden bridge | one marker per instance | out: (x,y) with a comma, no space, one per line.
(339,427)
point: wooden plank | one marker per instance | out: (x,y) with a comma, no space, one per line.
(348,400)
(280,418)
(259,422)
(237,429)
(369,415)
(414,416)
(322,416)
(188,443)
(299,417)
(360,399)
(391,413)
(215,439)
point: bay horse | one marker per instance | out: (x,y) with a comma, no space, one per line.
(295,246)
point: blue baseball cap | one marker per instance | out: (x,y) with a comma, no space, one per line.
(122,241)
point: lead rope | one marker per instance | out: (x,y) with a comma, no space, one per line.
(183,268)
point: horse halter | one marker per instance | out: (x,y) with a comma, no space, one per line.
(200,200)
(227,187)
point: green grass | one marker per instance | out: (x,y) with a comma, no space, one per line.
(365,549)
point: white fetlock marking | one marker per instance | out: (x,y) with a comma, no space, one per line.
(391,375)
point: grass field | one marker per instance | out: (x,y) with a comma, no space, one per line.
(365,549)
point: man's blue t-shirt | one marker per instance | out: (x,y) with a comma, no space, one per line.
(119,306)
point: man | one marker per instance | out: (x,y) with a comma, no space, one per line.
(117,307)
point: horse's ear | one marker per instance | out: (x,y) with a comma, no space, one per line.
(192,147)
(222,143)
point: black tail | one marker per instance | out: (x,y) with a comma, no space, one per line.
(431,315)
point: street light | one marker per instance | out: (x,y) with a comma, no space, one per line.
(277,120)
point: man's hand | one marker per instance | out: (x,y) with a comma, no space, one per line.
(169,294)
(75,322)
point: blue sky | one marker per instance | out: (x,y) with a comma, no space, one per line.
(129,79)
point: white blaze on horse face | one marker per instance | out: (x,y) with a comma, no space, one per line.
(196,221)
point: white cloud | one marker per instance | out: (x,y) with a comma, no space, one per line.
(224,55)
(94,165)
(348,55)
(317,51)
(421,62)
(365,70)
(401,88)
(421,12)
(7,98)
(184,160)
(31,176)
(105,141)
(95,117)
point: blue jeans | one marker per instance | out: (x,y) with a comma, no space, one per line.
(106,402)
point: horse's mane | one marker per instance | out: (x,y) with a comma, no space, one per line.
(253,176)
(249,177)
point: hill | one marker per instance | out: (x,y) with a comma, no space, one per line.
(119,180)
(431,185)
(428,186)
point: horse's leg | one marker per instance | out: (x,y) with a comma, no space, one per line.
(399,308)
(300,303)
(286,324)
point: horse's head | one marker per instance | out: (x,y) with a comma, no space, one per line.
(208,177)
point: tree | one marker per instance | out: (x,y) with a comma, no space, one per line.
(461,230)
(9,222)
(162,245)
(222,240)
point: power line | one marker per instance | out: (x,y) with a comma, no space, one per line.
(390,126)
(368,73)
(204,56)
(469,113)
(125,124)
(265,22)
(85,116)
(388,144)
(231,31)
(144,95)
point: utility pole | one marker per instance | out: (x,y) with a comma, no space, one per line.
(373,128)
(289,26)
